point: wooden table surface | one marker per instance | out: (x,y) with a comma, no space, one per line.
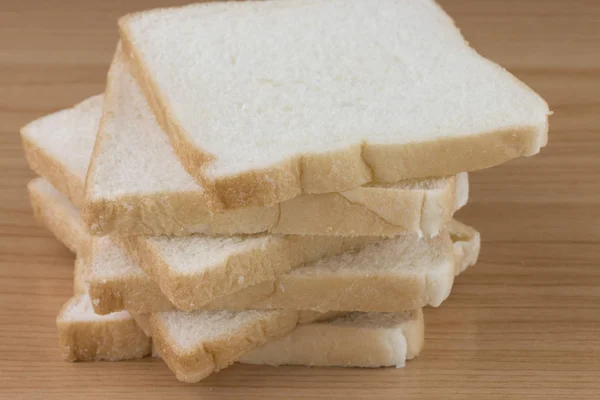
(523,323)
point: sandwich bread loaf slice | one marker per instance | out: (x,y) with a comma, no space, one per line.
(343,341)
(83,334)
(264,101)
(351,340)
(392,275)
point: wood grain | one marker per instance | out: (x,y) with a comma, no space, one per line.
(524,323)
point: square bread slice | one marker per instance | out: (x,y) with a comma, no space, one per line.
(356,340)
(264,101)
(408,273)
(137,185)
(353,340)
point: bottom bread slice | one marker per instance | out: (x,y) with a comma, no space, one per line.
(356,339)
(353,340)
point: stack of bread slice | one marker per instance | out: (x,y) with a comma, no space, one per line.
(273,182)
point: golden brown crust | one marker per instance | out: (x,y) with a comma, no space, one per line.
(152,214)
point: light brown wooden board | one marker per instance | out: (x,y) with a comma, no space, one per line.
(524,323)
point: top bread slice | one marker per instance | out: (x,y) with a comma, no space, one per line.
(147,191)
(264,101)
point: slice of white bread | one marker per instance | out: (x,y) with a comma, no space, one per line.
(193,352)
(386,340)
(86,336)
(407,273)
(355,340)
(264,101)
(148,192)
